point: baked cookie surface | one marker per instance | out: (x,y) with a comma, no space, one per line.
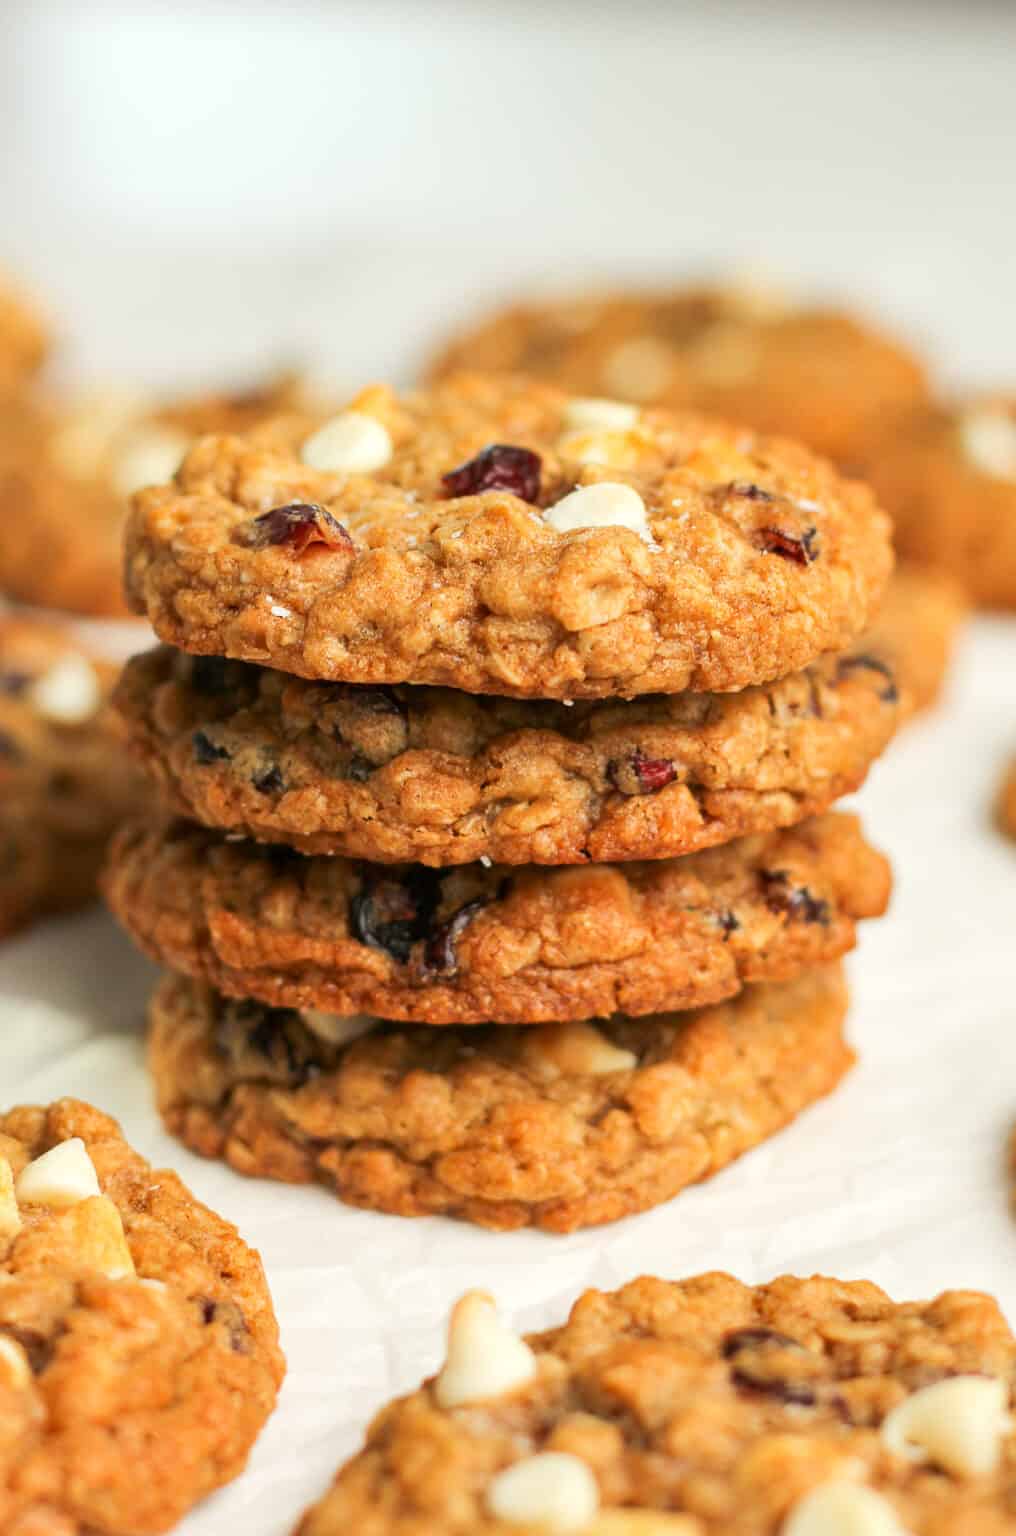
(434,776)
(703,1407)
(559,1126)
(67,472)
(472,944)
(139,1351)
(486,537)
(65,776)
(809,373)
(947,476)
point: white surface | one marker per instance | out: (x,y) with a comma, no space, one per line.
(899,1177)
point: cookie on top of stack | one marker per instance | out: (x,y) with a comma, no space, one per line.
(498,731)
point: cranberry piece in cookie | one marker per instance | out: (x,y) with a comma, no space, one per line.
(499,467)
(297,526)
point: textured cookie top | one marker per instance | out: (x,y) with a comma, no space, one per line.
(441,777)
(470,944)
(806,1407)
(560,1125)
(23,338)
(750,355)
(138,1348)
(67,470)
(495,536)
(947,475)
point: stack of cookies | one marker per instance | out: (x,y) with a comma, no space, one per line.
(498,731)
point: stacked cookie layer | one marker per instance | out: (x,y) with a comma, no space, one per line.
(513,721)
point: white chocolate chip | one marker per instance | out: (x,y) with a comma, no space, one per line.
(60,1177)
(574,1049)
(14,1367)
(99,1242)
(553,1490)
(592,414)
(842,1509)
(484,1359)
(607,505)
(643,1522)
(353,443)
(10,1220)
(989,441)
(958,1423)
(68,693)
(150,455)
(639,369)
(618,450)
(333,1028)
(159,1286)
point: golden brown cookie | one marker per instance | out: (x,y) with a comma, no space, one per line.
(487,537)
(813,374)
(561,1125)
(67,472)
(66,780)
(1007,802)
(24,340)
(473,944)
(139,1352)
(916,631)
(947,476)
(434,776)
(702,1407)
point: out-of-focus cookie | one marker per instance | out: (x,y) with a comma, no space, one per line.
(473,944)
(499,536)
(916,631)
(24,339)
(559,1126)
(67,472)
(139,1352)
(744,353)
(947,476)
(702,1407)
(66,780)
(1007,802)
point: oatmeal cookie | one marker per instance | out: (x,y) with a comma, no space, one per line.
(434,776)
(814,374)
(492,537)
(916,631)
(139,1352)
(473,944)
(701,1407)
(947,476)
(559,1126)
(65,775)
(24,340)
(67,472)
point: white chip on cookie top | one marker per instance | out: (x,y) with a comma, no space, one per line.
(843,1508)
(68,693)
(484,1358)
(61,1177)
(351,443)
(574,1048)
(610,504)
(988,436)
(553,1491)
(10,1218)
(333,1028)
(15,1370)
(149,455)
(588,413)
(959,1424)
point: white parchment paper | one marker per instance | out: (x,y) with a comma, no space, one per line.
(899,1177)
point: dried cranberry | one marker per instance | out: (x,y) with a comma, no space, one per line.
(277,1035)
(297,525)
(14,682)
(753,1374)
(728,922)
(795,900)
(206,751)
(638,774)
(38,1347)
(800,548)
(749,491)
(269,780)
(391,914)
(439,956)
(208,1309)
(498,467)
(890,693)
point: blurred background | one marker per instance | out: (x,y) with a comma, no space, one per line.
(202,189)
